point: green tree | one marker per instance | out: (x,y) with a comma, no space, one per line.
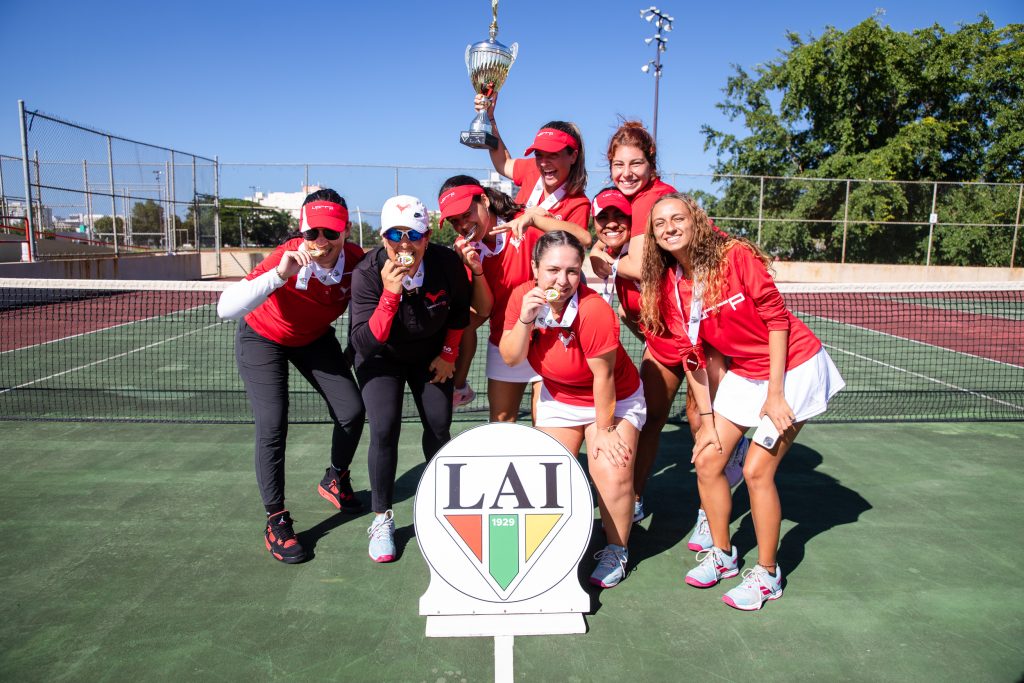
(874,103)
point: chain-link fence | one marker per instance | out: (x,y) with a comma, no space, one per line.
(90,192)
(106,194)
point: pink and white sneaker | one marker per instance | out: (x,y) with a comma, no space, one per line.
(758,586)
(714,566)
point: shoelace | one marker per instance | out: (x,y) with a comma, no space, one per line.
(381,530)
(608,558)
(752,577)
(702,526)
(706,556)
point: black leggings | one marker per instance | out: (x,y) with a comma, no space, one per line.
(383,384)
(263,365)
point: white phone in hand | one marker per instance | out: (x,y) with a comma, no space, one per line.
(766,433)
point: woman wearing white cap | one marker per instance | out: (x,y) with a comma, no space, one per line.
(285,308)
(553,196)
(411,301)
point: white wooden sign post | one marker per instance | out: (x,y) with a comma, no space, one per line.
(503,516)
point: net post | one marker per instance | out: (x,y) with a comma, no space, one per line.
(1016,226)
(113,194)
(29,233)
(846,220)
(932,219)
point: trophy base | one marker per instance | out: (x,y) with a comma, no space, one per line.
(478,139)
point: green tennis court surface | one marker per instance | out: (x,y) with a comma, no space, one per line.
(134,552)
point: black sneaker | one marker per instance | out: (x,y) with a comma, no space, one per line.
(280,539)
(337,490)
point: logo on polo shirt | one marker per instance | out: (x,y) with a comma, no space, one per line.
(733,301)
(436,299)
(566,340)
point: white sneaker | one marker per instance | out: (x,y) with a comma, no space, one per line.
(758,586)
(611,566)
(734,468)
(638,510)
(463,395)
(714,566)
(700,539)
(382,538)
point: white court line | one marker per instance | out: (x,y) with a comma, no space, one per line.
(926,377)
(104,329)
(104,360)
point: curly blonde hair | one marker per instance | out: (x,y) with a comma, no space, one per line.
(708,248)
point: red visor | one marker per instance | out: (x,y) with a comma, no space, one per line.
(609,198)
(324,215)
(551,140)
(456,201)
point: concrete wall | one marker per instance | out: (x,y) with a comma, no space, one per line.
(135,267)
(11,247)
(864,272)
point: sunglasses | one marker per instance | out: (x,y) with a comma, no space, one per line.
(313,233)
(396,235)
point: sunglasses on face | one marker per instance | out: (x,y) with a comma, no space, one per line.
(396,235)
(313,233)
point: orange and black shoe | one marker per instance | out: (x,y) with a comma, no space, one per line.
(281,540)
(337,490)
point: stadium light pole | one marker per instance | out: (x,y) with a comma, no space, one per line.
(663,24)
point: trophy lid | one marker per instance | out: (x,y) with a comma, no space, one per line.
(491,46)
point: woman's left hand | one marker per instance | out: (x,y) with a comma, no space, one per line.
(442,369)
(610,445)
(776,407)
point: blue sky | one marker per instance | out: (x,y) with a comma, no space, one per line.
(385,83)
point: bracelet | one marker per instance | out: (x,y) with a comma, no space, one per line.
(711,413)
(607,429)
(527,323)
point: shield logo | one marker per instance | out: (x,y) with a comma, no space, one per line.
(518,517)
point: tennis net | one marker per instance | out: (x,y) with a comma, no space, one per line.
(155,352)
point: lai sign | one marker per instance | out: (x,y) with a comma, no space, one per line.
(503,516)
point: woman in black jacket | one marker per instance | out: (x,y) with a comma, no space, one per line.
(411,302)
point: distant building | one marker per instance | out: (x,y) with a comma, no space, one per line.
(499,183)
(284,201)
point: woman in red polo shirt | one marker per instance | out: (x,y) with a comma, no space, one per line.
(285,308)
(553,196)
(591,389)
(481,217)
(777,370)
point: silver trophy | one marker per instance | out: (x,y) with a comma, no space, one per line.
(488,63)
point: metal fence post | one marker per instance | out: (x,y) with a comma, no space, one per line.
(932,220)
(129,235)
(360,215)
(113,194)
(3,193)
(29,226)
(846,220)
(40,224)
(216,211)
(195,211)
(172,222)
(305,180)
(760,211)
(1016,227)
(88,199)
(396,180)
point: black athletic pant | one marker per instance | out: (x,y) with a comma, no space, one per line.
(263,365)
(383,385)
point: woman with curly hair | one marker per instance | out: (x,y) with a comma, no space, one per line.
(721,286)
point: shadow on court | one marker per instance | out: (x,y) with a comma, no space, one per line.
(308,538)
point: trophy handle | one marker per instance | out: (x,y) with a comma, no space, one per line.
(515,51)
(467,58)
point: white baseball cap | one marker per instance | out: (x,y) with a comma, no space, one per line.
(404,211)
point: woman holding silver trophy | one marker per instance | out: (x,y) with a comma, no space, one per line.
(553,197)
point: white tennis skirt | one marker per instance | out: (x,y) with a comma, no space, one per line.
(552,413)
(808,388)
(501,371)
